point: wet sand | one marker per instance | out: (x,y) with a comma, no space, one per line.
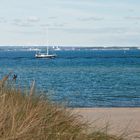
(118,120)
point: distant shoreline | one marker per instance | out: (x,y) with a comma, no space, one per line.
(67,48)
(76,47)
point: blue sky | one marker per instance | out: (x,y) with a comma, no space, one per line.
(70,22)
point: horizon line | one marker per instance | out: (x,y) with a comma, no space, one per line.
(67,46)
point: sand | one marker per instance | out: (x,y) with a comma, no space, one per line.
(119,121)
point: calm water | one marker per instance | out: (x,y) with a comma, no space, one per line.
(86,78)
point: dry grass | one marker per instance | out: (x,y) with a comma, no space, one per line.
(30,117)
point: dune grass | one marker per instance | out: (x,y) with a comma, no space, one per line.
(25,116)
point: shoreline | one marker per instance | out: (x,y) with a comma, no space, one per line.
(116,120)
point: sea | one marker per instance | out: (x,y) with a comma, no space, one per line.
(78,77)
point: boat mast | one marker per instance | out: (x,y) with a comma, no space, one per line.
(47,32)
(47,50)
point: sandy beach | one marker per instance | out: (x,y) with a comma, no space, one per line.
(124,121)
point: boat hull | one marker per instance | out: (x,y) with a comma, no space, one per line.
(44,56)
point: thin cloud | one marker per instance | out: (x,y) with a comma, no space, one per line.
(45,25)
(25,32)
(131,10)
(3,20)
(52,17)
(16,20)
(133,17)
(58,25)
(53,25)
(28,22)
(22,24)
(114,30)
(91,19)
(33,19)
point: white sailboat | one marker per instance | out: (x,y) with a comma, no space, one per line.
(45,55)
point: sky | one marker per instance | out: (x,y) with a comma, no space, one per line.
(70,22)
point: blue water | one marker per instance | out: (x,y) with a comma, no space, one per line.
(80,78)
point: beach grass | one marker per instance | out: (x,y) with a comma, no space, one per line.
(28,116)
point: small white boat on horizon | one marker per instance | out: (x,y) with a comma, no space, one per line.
(45,55)
(57,48)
